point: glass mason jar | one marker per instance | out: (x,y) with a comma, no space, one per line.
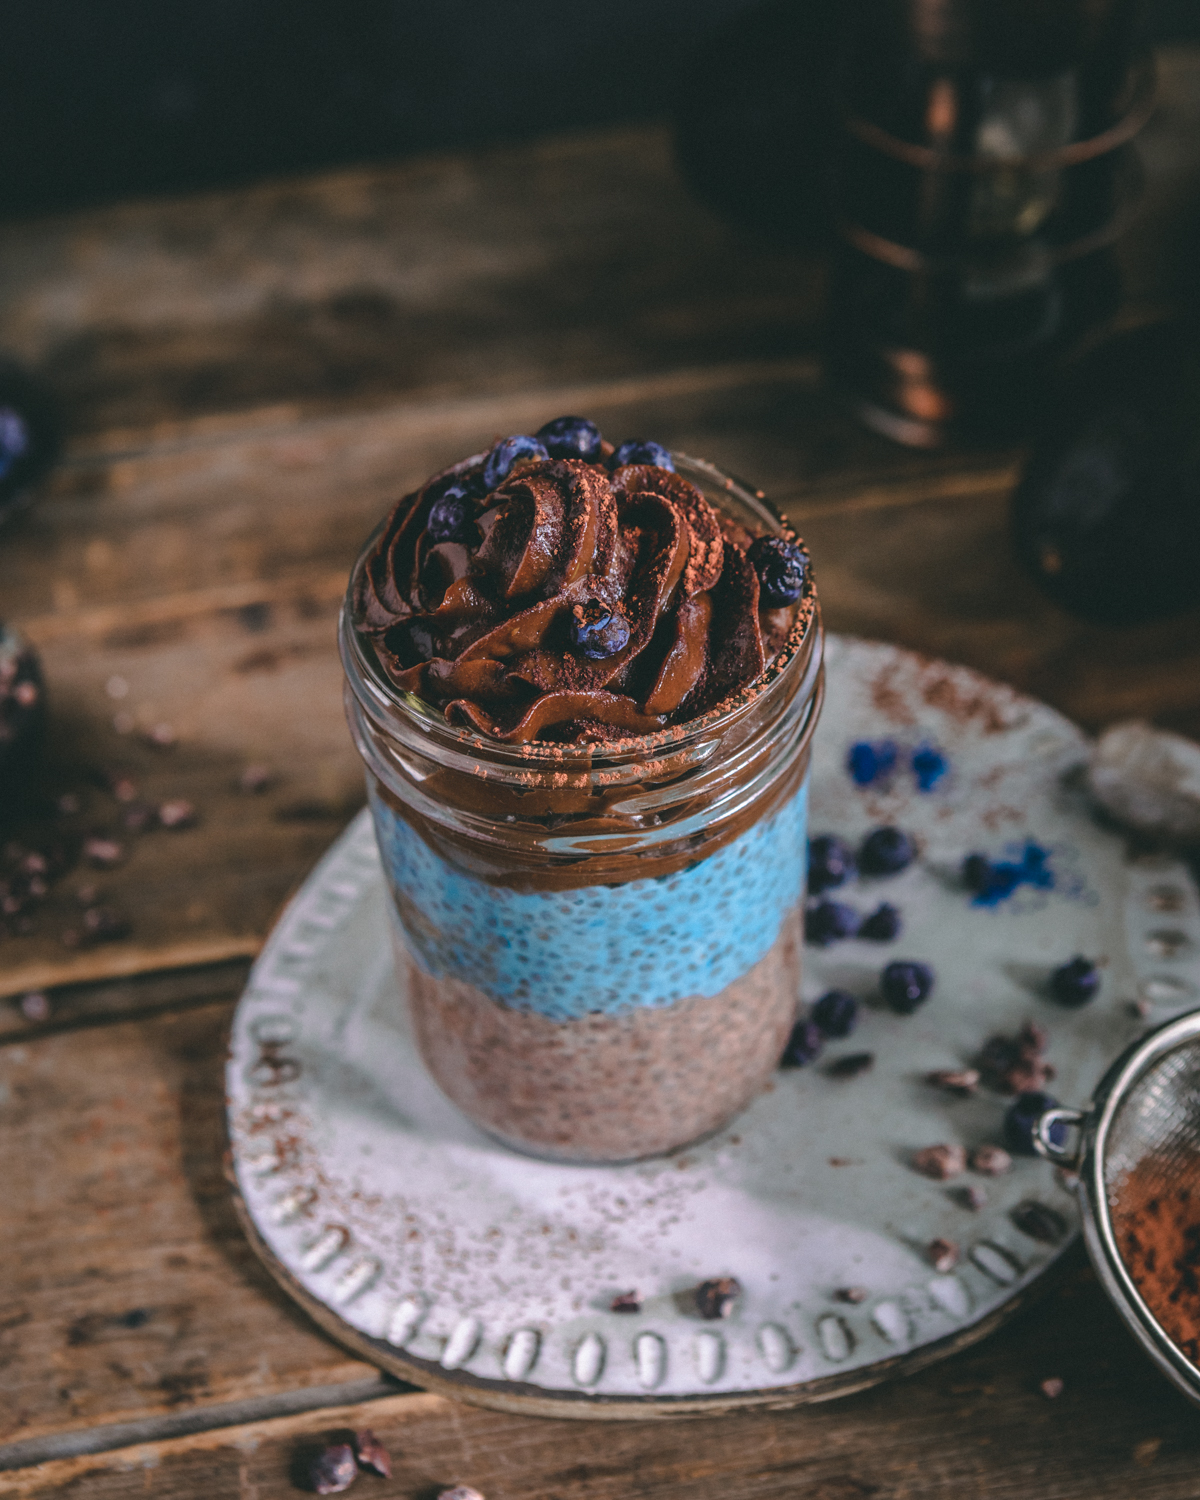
(601,945)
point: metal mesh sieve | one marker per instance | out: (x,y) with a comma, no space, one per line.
(1140,1139)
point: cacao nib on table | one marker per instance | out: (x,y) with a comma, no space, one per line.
(626,1302)
(853,1065)
(332,1469)
(371,1454)
(1039,1221)
(943,1255)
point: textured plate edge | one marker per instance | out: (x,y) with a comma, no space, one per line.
(531,1401)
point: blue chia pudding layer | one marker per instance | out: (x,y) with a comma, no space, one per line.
(603,1022)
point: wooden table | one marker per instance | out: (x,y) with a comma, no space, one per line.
(248,377)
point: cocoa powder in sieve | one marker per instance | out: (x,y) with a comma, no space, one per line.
(1157,1224)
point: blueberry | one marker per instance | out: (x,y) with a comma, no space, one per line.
(905,985)
(929,766)
(868,763)
(830,863)
(883,925)
(1021,1120)
(781,567)
(1075,983)
(803,1046)
(14,438)
(977,873)
(836,1013)
(887,851)
(499,462)
(450,516)
(829,922)
(598,632)
(571,437)
(635,451)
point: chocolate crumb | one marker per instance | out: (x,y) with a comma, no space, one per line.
(852,1294)
(332,1469)
(626,1302)
(844,1161)
(256,778)
(101,924)
(102,852)
(1052,1388)
(940,1162)
(961,1081)
(1039,1222)
(971,1197)
(992,1161)
(715,1298)
(123,788)
(943,1255)
(851,1065)
(34,1006)
(371,1454)
(177,813)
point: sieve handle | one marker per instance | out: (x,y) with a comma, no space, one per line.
(1043,1136)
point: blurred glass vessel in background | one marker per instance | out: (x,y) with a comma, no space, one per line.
(984,171)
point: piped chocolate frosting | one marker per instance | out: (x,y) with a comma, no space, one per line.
(573,604)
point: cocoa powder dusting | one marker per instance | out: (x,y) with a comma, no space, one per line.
(1157,1225)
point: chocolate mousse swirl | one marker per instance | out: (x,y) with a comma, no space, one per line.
(571,604)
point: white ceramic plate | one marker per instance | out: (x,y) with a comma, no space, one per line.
(449,1260)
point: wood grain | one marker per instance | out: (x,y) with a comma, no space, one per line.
(977,1427)
(128,1289)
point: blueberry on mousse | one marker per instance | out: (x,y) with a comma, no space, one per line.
(509,451)
(598,632)
(639,451)
(906,984)
(836,1013)
(929,766)
(830,863)
(571,437)
(451,516)
(830,922)
(1075,983)
(1020,1122)
(781,567)
(886,851)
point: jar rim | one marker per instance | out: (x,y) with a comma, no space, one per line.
(383,701)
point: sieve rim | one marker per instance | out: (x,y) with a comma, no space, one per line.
(1095,1124)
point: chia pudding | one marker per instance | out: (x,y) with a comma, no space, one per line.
(584,683)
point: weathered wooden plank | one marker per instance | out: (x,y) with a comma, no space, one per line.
(124,998)
(976,1426)
(128,1288)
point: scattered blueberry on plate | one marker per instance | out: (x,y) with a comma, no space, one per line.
(886,851)
(868,763)
(906,984)
(637,451)
(781,567)
(829,922)
(836,1013)
(803,1046)
(598,632)
(1075,983)
(929,766)
(830,863)
(1021,1119)
(499,463)
(883,925)
(571,437)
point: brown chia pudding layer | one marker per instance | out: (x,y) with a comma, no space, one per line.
(606,1088)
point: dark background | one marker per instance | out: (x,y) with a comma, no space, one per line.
(100,98)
